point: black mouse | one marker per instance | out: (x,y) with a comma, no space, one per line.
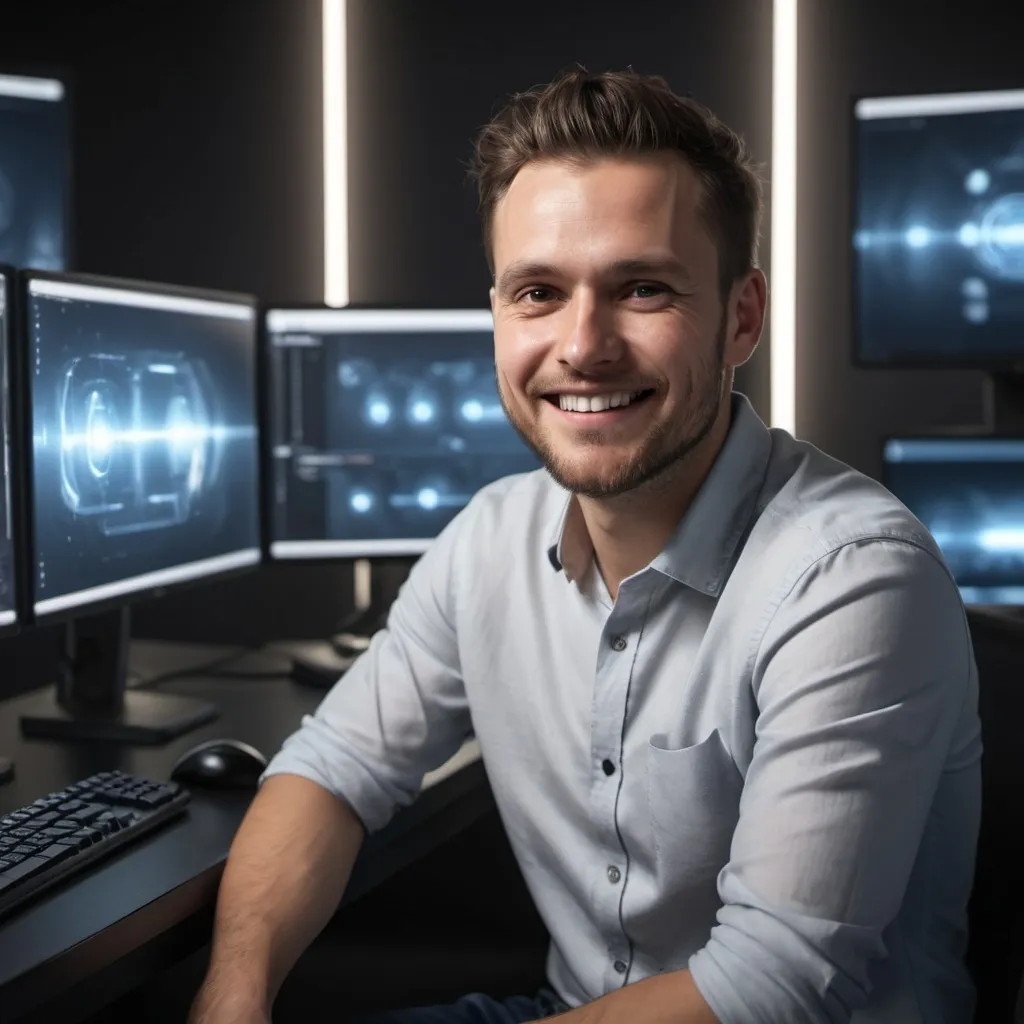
(220,764)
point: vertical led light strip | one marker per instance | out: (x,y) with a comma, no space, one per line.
(335,96)
(782,320)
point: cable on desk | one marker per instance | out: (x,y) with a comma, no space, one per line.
(214,668)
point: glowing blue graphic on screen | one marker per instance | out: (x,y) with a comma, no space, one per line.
(139,444)
(939,228)
(969,492)
(384,425)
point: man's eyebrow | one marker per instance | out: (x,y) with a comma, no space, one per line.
(637,266)
(521,270)
(650,266)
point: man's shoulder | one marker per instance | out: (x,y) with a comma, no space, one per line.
(812,505)
(508,515)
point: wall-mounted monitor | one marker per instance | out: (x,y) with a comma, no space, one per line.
(35,173)
(969,493)
(383,424)
(938,230)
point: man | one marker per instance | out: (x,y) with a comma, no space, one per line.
(723,684)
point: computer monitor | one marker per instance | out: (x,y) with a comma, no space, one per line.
(8,591)
(35,170)
(142,474)
(969,493)
(383,424)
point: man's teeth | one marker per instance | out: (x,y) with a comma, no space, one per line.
(596,403)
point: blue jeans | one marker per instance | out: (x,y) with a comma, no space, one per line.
(477,1009)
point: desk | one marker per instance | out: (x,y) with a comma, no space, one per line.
(135,914)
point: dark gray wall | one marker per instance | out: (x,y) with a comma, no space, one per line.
(875,47)
(197,134)
(423,77)
(197,161)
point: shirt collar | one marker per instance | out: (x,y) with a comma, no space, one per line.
(702,550)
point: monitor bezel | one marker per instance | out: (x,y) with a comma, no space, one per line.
(8,289)
(988,364)
(952,433)
(71,611)
(330,552)
(66,78)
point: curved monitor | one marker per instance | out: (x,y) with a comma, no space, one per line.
(969,493)
(143,456)
(383,425)
(34,172)
(938,230)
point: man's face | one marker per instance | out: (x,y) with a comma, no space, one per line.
(610,332)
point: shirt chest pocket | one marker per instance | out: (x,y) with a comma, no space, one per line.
(693,795)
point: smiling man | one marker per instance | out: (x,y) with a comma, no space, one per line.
(723,684)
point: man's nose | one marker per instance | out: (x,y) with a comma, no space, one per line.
(589,338)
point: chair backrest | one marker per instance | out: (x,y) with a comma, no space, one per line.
(996,949)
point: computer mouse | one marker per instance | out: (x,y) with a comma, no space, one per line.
(220,764)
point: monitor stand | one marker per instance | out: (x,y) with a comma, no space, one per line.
(1004,403)
(91,700)
(320,664)
(6,770)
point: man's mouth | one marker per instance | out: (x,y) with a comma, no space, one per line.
(598,403)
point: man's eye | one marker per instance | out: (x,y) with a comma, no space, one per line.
(648,291)
(537,295)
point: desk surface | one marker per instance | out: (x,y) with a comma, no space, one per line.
(158,894)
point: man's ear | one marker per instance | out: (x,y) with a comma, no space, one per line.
(748,300)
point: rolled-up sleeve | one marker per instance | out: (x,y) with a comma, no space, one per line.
(865,687)
(400,710)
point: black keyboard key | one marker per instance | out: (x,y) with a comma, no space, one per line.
(88,813)
(71,805)
(51,833)
(56,853)
(23,850)
(29,866)
(156,799)
(75,842)
(21,832)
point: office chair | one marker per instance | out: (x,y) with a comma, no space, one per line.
(995,954)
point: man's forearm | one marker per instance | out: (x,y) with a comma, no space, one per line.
(284,878)
(665,999)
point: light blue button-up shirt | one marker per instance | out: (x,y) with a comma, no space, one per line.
(760,762)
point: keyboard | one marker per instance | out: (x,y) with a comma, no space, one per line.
(48,841)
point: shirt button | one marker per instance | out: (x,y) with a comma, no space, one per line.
(614,874)
(619,643)
(609,768)
(620,967)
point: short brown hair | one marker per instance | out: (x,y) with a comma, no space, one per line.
(582,116)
